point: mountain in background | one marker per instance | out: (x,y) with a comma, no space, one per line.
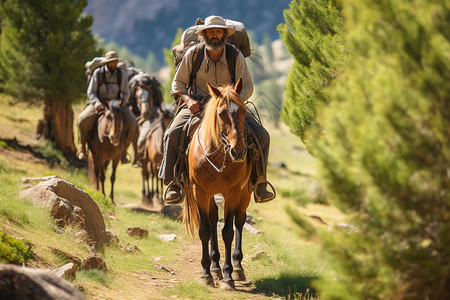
(145,26)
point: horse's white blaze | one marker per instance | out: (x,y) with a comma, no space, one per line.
(142,93)
(233,107)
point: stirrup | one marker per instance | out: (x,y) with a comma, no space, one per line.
(255,187)
(175,182)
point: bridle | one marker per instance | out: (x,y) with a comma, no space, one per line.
(110,125)
(223,142)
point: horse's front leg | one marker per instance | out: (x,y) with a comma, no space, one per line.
(239,221)
(205,235)
(145,175)
(113,179)
(153,181)
(214,254)
(97,171)
(197,198)
(227,235)
(102,180)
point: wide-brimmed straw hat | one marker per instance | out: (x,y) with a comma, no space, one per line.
(110,56)
(216,22)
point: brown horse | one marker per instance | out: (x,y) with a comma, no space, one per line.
(106,144)
(154,154)
(218,164)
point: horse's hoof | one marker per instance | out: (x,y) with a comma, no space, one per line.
(238,275)
(227,285)
(207,279)
(217,274)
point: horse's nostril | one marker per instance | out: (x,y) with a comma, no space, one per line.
(238,157)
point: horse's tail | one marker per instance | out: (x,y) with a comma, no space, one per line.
(191,216)
(91,169)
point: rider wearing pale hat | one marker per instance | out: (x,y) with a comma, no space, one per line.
(214,70)
(107,84)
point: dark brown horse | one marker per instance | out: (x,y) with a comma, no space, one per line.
(106,145)
(218,164)
(154,154)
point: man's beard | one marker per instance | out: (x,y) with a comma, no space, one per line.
(215,44)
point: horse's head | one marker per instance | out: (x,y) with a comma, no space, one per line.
(225,115)
(113,121)
(144,99)
(147,92)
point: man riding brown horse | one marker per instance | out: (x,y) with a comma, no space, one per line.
(107,83)
(191,92)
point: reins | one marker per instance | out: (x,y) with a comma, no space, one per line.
(108,128)
(223,142)
(226,148)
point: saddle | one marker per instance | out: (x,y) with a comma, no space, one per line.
(156,127)
(181,165)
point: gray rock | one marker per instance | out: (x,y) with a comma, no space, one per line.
(172,211)
(167,237)
(26,283)
(68,271)
(57,193)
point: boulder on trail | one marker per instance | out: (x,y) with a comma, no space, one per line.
(18,282)
(65,200)
(93,261)
(137,231)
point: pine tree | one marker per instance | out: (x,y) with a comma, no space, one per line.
(313,36)
(44,46)
(385,156)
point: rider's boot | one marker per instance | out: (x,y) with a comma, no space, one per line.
(124,159)
(173,195)
(138,159)
(81,154)
(262,194)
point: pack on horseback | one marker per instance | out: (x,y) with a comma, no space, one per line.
(207,58)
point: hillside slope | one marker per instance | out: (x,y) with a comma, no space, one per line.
(151,25)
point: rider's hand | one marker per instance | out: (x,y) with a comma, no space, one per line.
(100,107)
(193,106)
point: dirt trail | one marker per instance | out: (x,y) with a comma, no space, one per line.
(187,266)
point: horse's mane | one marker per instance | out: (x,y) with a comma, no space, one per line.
(156,90)
(209,122)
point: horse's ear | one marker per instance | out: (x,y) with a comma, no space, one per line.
(239,85)
(213,90)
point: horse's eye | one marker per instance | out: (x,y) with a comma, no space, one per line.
(222,113)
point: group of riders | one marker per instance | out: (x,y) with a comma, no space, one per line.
(189,88)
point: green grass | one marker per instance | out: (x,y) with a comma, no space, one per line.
(97,276)
(13,250)
(189,291)
(286,268)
